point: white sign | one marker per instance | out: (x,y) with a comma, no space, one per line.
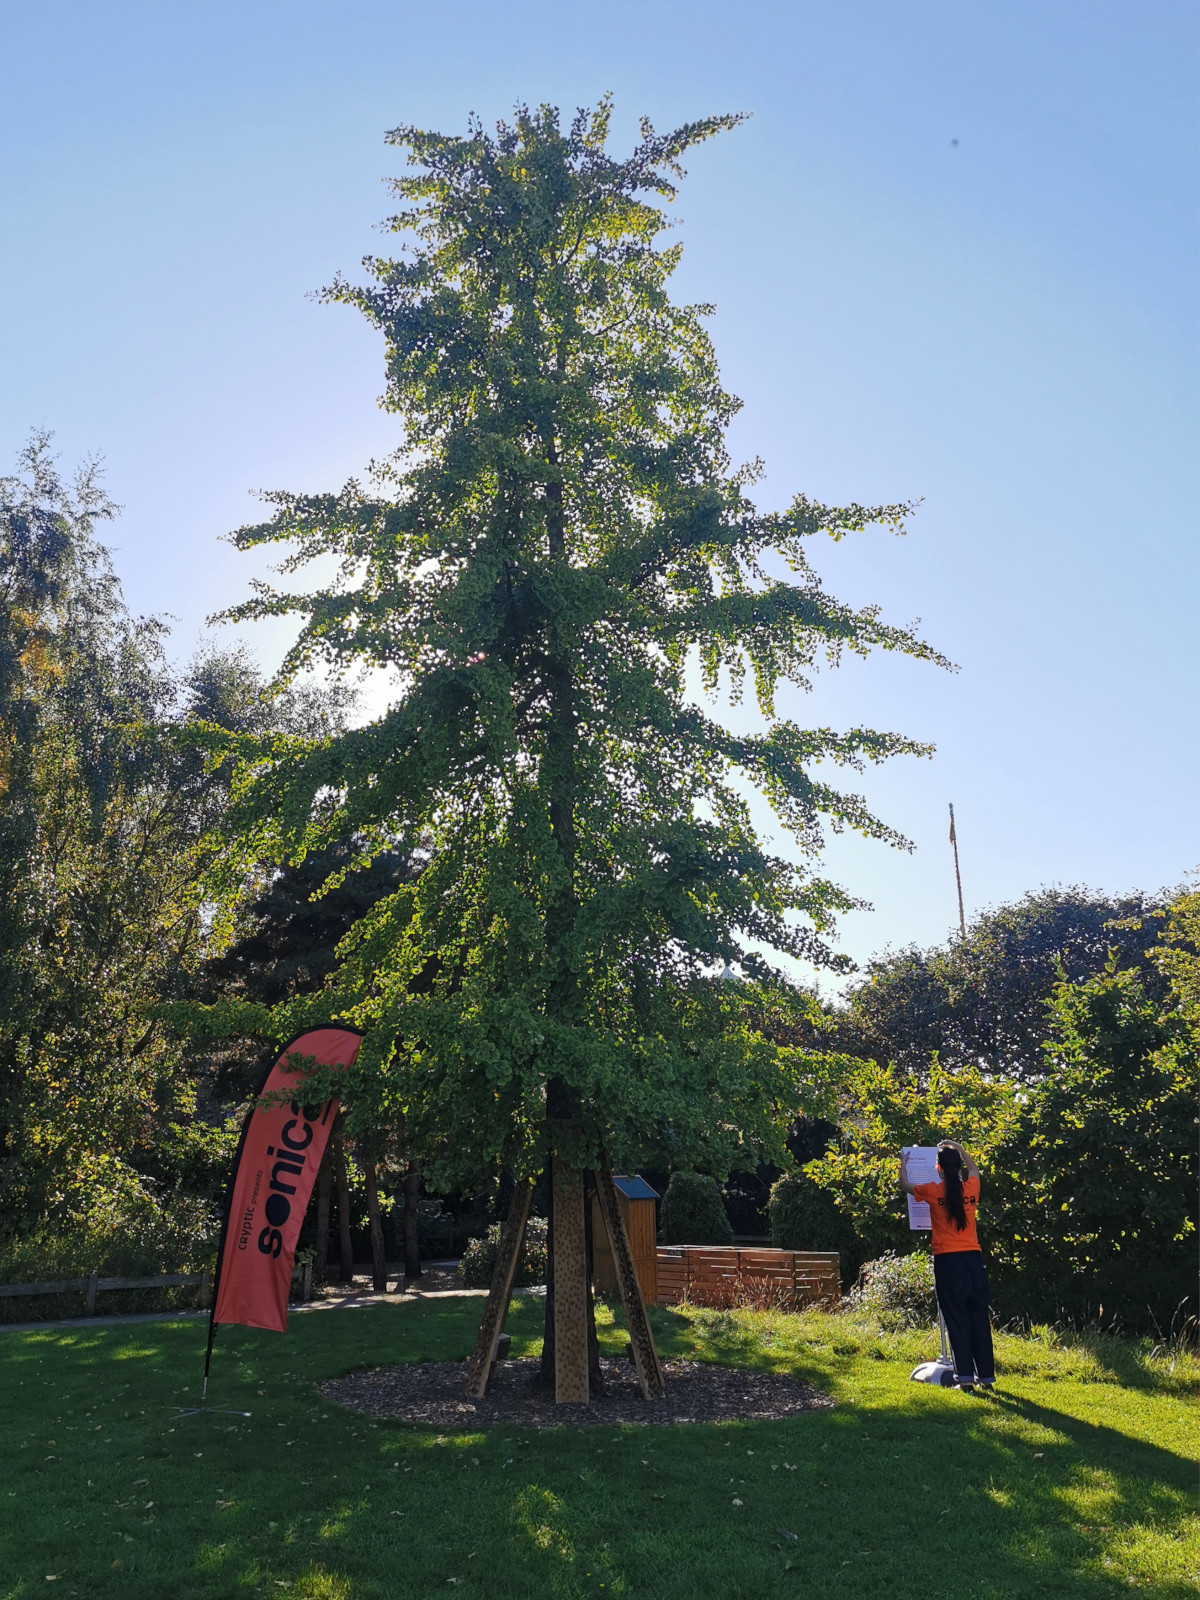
(920,1168)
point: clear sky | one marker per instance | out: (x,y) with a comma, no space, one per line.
(954,256)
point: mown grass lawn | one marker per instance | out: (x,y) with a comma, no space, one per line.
(1077,1482)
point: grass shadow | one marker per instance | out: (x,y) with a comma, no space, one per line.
(114,1494)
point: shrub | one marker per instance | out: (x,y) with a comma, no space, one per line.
(120,1229)
(479,1258)
(805,1216)
(898,1290)
(692,1212)
(125,1231)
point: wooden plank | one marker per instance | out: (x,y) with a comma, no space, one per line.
(569,1243)
(171,1280)
(670,1282)
(641,1339)
(479,1368)
(643,1241)
(57,1286)
(604,1268)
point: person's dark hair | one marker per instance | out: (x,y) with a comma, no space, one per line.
(950,1166)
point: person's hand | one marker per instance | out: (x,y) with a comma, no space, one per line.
(951,1144)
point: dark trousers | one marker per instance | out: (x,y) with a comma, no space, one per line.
(963,1296)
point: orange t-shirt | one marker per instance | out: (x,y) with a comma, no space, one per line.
(946,1233)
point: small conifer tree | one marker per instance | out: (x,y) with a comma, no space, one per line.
(692,1212)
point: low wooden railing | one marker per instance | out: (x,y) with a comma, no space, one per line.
(94,1285)
(726,1275)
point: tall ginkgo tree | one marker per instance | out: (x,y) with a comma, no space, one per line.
(558,553)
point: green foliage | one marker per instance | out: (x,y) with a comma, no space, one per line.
(692,1213)
(897,1290)
(558,534)
(479,1258)
(885,1109)
(285,946)
(110,1158)
(1099,1174)
(109,1220)
(982,1000)
(1177,957)
(804,1215)
(99,823)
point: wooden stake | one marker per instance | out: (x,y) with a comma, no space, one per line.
(645,1356)
(512,1237)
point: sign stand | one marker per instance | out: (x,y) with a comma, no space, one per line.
(922,1168)
(941,1370)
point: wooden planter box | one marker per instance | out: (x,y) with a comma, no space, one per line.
(715,1275)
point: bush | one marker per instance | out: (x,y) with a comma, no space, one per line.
(692,1212)
(479,1258)
(116,1228)
(898,1290)
(804,1216)
(119,1230)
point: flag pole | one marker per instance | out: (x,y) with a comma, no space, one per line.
(962,921)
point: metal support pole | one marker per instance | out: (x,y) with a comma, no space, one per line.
(962,921)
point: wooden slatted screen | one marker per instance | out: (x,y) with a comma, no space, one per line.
(717,1274)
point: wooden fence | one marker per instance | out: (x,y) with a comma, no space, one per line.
(94,1285)
(725,1275)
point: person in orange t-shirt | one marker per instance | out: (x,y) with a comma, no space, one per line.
(959,1275)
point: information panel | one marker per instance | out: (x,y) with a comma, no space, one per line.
(922,1168)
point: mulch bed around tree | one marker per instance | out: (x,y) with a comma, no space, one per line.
(434,1394)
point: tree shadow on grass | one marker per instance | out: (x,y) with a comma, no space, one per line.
(879,1503)
(1012,1499)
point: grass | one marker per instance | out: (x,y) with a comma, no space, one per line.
(1076,1483)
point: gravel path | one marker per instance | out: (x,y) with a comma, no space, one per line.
(433,1394)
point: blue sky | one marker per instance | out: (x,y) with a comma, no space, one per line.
(954,256)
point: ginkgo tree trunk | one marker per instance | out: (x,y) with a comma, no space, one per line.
(555,559)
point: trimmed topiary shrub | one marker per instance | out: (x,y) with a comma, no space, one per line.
(692,1213)
(479,1258)
(804,1216)
(898,1290)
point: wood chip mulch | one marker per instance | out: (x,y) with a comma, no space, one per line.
(433,1394)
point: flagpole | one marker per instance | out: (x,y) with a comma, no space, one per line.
(962,921)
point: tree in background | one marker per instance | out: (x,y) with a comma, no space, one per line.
(287,946)
(1099,1175)
(559,536)
(98,828)
(982,1000)
(109,1159)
